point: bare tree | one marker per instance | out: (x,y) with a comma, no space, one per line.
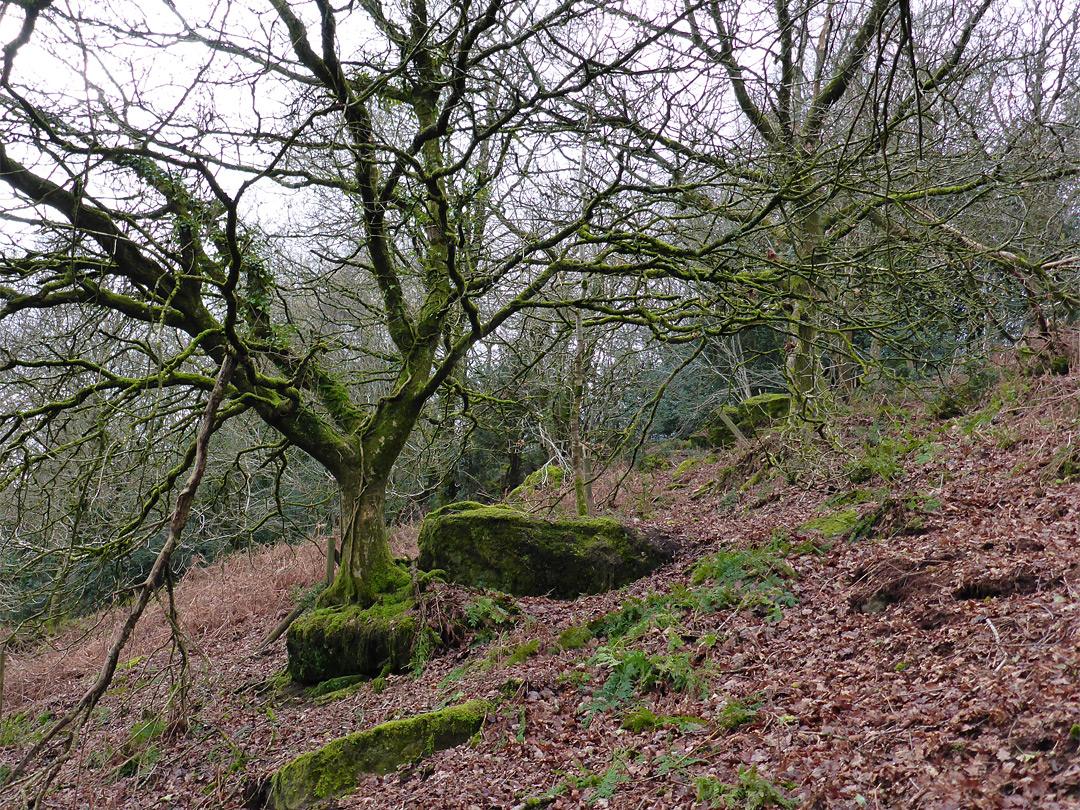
(837,161)
(307,189)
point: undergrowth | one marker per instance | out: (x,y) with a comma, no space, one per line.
(750,792)
(727,580)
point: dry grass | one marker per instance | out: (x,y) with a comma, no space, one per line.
(227,599)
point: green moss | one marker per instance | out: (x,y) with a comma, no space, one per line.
(687,466)
(346,641)
(651,462)
(829,527)
(748,416)
(640,720)
(852,496)
(501,548)
(702,491)
(334,769)
(336,688)
(523,652)
(547,476)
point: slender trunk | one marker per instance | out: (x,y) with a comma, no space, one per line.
(3,661)
(331,551)
(77,717)
(802,365)
(738,359)
(582,471)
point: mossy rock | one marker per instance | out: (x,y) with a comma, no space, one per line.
(829,527)
(501,548)
(343,641)
(548,476)
(749,416)
(334,769)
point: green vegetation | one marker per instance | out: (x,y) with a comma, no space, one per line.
(547,477)
(509,655)
(140,751)
(23,728)
(632,672)
(336,688)
(642,719)
(833,526)
(575,637)
(490,614)
(750,792)
(737,713)
(597,786)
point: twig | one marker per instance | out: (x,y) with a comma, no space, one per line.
(282,626)
(1004,655)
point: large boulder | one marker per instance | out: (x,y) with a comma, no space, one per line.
(340,641)
(748,416)
(334,769)
(504,549)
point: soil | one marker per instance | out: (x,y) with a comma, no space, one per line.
(934,663)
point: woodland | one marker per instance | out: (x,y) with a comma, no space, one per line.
(278,279)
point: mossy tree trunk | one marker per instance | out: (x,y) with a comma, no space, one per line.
(402,162)
(367,567)
(803,367)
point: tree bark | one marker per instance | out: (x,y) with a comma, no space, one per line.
(367,569)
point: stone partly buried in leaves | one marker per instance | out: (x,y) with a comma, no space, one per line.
(339,641)
(748,416)
(501,548)
(334,769)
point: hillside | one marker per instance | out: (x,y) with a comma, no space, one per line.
(887,618)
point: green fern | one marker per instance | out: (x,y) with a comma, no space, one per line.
(751,792)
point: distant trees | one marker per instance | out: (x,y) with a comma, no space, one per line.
(851,167)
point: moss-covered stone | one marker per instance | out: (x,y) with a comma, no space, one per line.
(548,476)
(501,548)
(830,527)
(344,641)
(334,769)
(748,416)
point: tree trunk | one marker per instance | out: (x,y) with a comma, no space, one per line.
(367,569)
(579,460)
(802,364)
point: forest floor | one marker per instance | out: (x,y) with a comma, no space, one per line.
(919,647)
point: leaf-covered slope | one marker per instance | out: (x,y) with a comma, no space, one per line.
(930,662)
